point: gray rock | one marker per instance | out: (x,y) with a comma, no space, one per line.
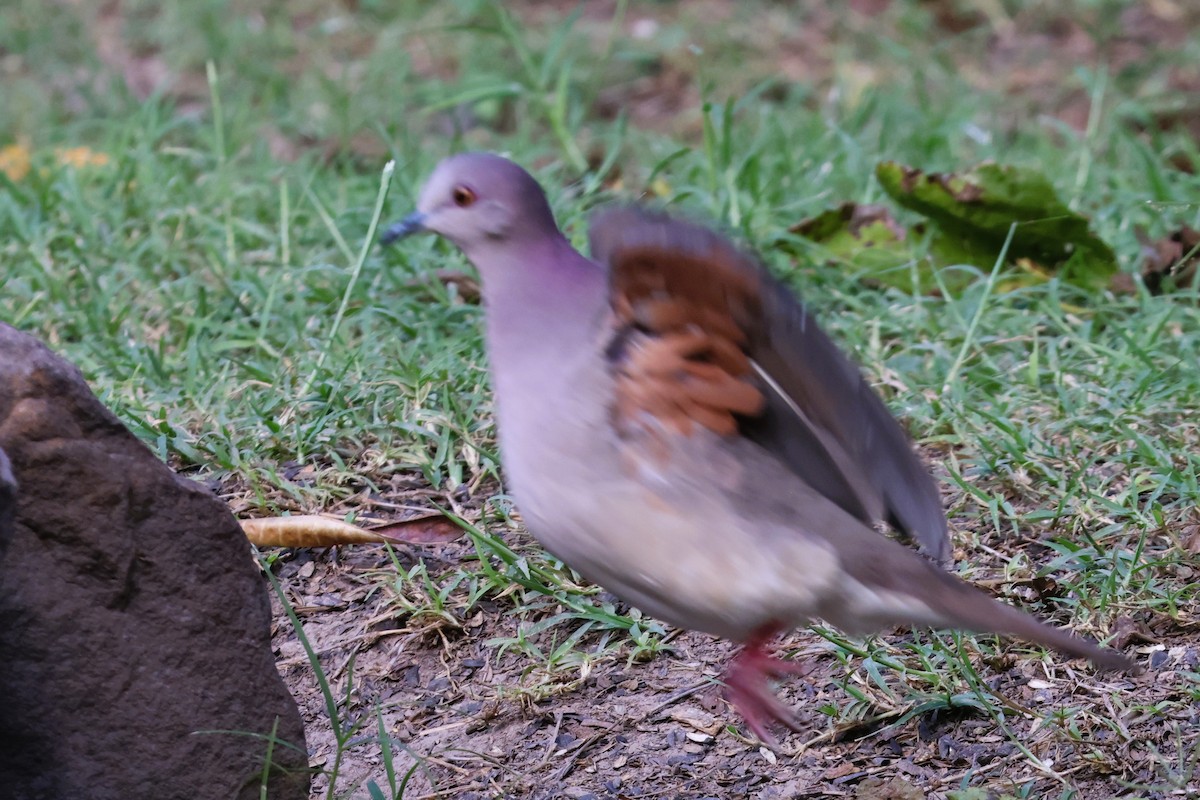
(134,627)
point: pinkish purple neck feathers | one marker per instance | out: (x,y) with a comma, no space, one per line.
(542,299)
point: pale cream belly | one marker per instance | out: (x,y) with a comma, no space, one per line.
(690,561)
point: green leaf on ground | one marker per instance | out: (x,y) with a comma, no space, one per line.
(864,236)
(976,211)
(869,241)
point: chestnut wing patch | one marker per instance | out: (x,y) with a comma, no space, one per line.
(678,352)
(705,339)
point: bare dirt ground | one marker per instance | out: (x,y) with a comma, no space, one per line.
(491,726)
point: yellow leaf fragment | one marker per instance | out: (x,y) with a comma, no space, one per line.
(80,157)
(15,160)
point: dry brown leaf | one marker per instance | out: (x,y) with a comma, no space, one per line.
(708,727)
(841,770)
(311,530)
(1127,630)
(1037,589)
(431,529)
(887,789)
(464,283)
(1191,539)
(1171,262)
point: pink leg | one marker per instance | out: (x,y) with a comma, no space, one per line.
(746,684)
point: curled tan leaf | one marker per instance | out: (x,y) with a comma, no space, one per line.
(308,530)
(1127,630)
(430,529)
(311,530)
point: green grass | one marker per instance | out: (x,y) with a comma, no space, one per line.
(209,290)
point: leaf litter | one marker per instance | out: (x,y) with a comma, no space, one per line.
(972,220)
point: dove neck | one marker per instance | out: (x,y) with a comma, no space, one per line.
(541,300)
(544,315)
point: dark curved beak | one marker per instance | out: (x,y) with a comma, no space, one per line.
(413,223)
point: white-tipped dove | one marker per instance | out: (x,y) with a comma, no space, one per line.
(675,427)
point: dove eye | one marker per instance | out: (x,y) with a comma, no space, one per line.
(463,197)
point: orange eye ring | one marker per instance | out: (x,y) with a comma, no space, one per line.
(463,196)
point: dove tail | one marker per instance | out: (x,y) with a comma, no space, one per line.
(970,608)
(893,585)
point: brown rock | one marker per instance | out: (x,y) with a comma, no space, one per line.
(134,628)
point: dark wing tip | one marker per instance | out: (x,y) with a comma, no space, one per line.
(876,456)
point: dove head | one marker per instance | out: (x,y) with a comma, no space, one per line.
(480,202)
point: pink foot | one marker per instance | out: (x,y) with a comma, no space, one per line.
(746,685)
